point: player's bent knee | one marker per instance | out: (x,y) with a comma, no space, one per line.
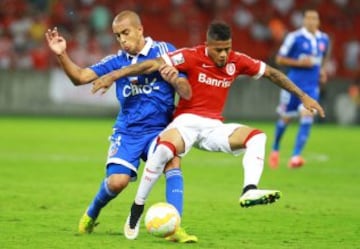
(260,135)
(117,182)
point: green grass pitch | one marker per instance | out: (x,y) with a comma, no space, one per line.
(50,169)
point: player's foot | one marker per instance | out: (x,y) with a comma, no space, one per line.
(274,159)
(86,224)
(132,224)
(181,236)
(296,162)
(254,197)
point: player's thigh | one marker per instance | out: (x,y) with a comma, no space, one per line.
(219,138)
(174,137)
(239,137)
(183,131)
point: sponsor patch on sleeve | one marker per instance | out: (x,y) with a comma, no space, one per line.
(177,59)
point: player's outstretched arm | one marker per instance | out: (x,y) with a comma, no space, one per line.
(146,67)
(305,62)
(180,84)
(284,82)
(57,44)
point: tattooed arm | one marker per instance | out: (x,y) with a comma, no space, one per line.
(280,79)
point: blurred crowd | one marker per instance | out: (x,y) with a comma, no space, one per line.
(258,27)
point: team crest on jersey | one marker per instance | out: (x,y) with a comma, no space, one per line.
(230,68)
(114,147)
(322,46)
(177,59)
(305,45)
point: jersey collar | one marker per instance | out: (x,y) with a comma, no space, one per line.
(145,50)
(310,35)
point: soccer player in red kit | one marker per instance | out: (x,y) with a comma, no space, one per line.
(211,69)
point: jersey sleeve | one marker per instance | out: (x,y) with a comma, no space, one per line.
(178,59)
(250,66)
(287,45)
(104,66)
(165,56)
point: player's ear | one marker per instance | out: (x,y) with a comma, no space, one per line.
(141,29)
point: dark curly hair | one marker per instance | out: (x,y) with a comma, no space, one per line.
(219,31)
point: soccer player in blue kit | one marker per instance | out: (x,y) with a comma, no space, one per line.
(304,53)
(146,108)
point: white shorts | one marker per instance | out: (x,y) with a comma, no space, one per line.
(204,133)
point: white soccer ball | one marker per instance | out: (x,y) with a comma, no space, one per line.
(162,219)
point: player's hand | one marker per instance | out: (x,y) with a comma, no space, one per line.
(169,73)
(56,42)
(103,83)
(312,105)
(323,76)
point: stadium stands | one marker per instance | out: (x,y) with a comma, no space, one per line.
(258,27)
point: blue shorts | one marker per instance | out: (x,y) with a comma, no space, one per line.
(125,152)
(290,105)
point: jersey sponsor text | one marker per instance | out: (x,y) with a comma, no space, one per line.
(203,78)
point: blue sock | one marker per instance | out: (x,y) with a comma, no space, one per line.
(175,188)
(303,134)
(101,199)
(279,131)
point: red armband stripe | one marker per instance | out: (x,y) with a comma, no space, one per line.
(251,134)
(169,145)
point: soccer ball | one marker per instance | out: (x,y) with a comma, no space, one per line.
(162,219)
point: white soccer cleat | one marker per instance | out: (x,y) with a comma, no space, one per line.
(254,197)
(131,233)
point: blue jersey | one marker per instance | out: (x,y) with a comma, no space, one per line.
(146,101)
(301,43)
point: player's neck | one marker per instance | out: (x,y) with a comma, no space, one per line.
(140,46)
(311,31)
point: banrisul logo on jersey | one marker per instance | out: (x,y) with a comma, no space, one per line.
(136,88)
(203,78)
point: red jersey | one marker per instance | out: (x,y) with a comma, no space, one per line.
(210,84)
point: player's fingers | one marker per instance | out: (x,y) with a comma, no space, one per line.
(165,70)
(95,87)
(172,75)
(104,90)
(54,32)
(162,67)
(47,35)
(49,32)
(317,109)
(321,111)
